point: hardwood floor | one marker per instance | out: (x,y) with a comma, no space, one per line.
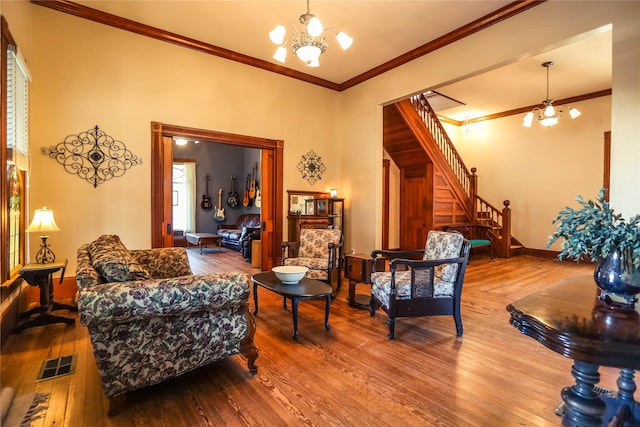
(350,376)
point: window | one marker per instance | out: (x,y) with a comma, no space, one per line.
(14,152)
(184,196)
(18,78)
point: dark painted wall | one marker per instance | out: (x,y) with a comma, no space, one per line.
(220,161)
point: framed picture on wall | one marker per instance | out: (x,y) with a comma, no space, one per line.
(309,207)
(322,207)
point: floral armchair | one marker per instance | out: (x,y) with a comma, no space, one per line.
(431,286)
(150,319)
(320,250)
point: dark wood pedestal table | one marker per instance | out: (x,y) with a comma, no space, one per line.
(569,319)
(41,275)
(305,289)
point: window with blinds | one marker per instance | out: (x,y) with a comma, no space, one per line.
(18,78)
(17,155)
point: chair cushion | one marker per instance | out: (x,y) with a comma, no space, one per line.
(443,245)
(113,261)
(479,242)
(314,242)
(230,234)
(310,263)
(381,286)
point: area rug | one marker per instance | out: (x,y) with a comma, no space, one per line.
(20,411)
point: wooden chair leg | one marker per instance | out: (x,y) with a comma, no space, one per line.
(114,405)
(392,327)
(458,321)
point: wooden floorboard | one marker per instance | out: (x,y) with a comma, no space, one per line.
(352,375)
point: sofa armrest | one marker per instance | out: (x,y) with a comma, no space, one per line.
(249,232)
(162,263)
(127,301)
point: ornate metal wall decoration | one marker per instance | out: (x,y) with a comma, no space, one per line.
(93,155)
(311,167)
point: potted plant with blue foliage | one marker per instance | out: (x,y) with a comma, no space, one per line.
(596,232)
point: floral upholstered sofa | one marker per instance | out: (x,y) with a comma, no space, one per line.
(150,319)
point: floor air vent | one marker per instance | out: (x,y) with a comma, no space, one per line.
(53,368)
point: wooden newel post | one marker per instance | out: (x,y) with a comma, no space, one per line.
(473,192)
(506,229)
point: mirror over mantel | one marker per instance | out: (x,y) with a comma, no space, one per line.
(304,203)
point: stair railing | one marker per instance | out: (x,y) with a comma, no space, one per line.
(485,213)
(431,121)
(498,220)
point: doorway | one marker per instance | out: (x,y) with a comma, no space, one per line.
(271,184)
(416,205)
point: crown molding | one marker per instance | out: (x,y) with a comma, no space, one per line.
(523,110)
(115,21)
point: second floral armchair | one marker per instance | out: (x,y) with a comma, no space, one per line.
(320,250)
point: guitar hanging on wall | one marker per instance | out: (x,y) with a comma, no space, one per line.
(232,199)
(258,202)
(206,200)
(246,200)
(252,188)
(219,215)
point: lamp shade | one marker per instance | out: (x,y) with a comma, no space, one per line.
(549,121)
(549,111)
(281,54)
(277,34)
(43,221)
(344,40)
(574,113)
(308,53)
(314,28)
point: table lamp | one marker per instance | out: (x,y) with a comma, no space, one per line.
(43,222)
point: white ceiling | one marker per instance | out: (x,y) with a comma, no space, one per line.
(382,30)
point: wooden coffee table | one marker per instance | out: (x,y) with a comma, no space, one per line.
(202,239)
(305,289)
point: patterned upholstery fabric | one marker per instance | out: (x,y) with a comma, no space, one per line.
(113,261)
(313,252)
(381,287)
(443,245)
(162,263)
(314,241)
(439,245)
(146,331)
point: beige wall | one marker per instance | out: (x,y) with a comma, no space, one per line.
(503,43)
(86,74)
(122,82)
(540,170)
(18,16)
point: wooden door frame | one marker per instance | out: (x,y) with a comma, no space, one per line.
(386,165)
(271,183)
(607,165)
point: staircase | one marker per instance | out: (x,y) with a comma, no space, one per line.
(413,136)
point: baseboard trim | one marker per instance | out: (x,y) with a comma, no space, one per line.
(542,253)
